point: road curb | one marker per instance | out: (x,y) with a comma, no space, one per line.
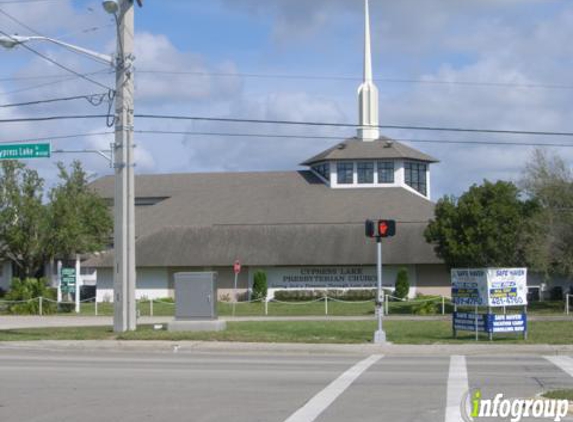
(298,348)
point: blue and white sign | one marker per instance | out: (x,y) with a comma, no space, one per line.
(494,287)
(512,323)
(464,321)
(490,323)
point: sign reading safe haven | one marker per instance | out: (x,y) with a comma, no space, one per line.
(490,323)
(494,287)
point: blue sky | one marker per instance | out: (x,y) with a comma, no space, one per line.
(444,43)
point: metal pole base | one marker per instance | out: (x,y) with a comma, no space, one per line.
(380,337)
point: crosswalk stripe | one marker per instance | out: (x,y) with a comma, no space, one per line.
(457,388)
(564,363)
(313,408)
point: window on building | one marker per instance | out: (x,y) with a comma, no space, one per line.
(365,172)
(345,173)
(323,169)
(416,176)
(385,172)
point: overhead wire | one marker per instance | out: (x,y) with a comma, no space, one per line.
(286,136)
(43,85)
(351,125)
(356,79)
(55,137)
(93,99)
(68,69)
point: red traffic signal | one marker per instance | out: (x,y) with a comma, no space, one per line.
(380,228)
(386,228)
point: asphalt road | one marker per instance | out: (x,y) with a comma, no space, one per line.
(44,385)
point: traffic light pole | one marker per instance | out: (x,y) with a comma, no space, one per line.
(379,335)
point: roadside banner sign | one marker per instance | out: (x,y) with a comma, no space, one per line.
(490,323)
(493,287)
(25,151)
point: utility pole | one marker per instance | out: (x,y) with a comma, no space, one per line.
(124,200)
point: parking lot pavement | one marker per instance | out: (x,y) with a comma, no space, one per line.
(46,385)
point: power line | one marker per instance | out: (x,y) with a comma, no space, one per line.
(54,118)
(93,99)
(350,125)
(356,79)
(58,64)
(19,22)
(267,135)
(64,79)
(56,76)
(56,137)
(26,1)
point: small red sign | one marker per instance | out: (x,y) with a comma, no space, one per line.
(237,267)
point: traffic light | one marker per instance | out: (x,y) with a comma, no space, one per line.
(370,228)
(380,228)
(386,228)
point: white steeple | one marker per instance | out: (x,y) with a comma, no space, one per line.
(367,92)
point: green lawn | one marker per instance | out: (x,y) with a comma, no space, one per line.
(311,309)
(399,332)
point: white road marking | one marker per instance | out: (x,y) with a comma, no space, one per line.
(457,388)
(564,363)
(319,403)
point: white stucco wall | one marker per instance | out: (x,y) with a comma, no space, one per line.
(151,283)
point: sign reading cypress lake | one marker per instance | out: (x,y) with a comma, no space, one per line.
(24,151)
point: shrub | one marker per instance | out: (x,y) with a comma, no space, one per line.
(30,288)
(426,308)
(402,286)
(309,295)
(259,285)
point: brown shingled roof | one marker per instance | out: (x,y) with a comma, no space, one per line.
(380,149)
(269,218)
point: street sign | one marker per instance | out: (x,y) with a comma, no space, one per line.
(68,280)
(237,267)
(24,151)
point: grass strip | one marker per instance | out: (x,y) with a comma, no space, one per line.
(336,332)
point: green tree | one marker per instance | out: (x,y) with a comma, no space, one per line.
(80,220)
(402,285)
(487,226)
(23,218)
(259,285)
(548,179)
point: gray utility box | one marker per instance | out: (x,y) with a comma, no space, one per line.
(195,296)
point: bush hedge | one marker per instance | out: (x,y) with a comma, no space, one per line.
(309,295)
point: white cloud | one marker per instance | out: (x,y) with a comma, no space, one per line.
(156,52)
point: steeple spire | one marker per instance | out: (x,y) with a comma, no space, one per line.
(367,92)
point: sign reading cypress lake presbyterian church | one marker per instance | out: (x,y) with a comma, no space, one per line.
(321,277)
(24,151)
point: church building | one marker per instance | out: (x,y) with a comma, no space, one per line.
(304,228)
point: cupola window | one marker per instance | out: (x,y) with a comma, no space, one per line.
(416,176)
(385,172)
(365,172)
(345,173)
